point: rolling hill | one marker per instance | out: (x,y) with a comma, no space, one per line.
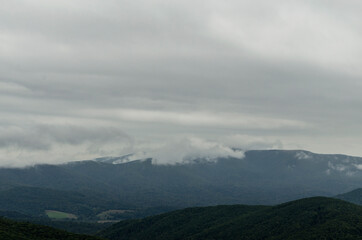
(311,218)
(11,230)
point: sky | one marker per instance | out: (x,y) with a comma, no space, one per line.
(81,79)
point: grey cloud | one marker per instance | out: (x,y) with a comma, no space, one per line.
(43,137)
(247,142)
(20,139)
(62,63)
(190,149)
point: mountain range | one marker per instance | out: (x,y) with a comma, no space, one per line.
(112,189)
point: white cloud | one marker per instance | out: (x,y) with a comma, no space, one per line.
(13,88)
(187,150)
(338,167)
(60,143)
(200,118)
(292,30)
(249,142)
(358,166)
(302,156)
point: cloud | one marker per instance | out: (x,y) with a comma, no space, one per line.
(349,168)
(42,137)
(303,30)
(12,88)
(358,166)
(303,155)
(188,150)
(251,74)
(249,142)
(60,143)
(199,118)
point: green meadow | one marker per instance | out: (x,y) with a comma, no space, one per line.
(59,215)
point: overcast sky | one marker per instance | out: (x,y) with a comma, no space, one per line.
(86,78)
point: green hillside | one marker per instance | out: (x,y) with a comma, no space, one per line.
(35,201)
(79,227)
(11,230)
(311,218)
(44,202)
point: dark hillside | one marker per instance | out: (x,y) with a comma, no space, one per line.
(11,230)
(312,218)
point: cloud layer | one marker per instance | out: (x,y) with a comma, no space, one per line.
(120,76)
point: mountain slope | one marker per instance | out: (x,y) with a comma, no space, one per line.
(312,218)
(34,201)
(354,196)
(31,204)
(262,177)
(11,230)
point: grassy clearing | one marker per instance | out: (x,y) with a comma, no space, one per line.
(59,215)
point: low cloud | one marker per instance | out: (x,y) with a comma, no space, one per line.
(303,156)
(358,166)
(43,137)
(199,118)
(249,142)
(189,149)
(21,146)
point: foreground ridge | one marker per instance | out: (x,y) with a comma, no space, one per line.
(12,230)
(310,218)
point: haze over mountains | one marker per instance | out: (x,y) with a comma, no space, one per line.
(88,196)
(87,188)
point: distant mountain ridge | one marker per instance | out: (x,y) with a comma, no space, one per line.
(354,196)
(88,188)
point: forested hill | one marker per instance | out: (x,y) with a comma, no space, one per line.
(311,218)
(11,230)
